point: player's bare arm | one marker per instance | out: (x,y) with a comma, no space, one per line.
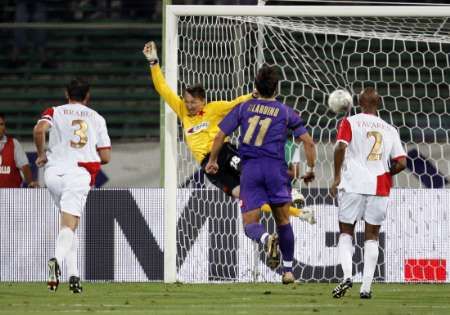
(310,152)
(28,176)
(339,155)
(39,132)
(105,155)
(212,167)
(397,166)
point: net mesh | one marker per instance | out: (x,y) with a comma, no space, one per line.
(406,59)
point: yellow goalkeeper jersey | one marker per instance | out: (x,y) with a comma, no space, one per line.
(199,129)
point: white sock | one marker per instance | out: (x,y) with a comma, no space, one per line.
(345,249)
(370,263)
(63,243)
(71,258)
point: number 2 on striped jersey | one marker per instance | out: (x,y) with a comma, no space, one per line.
(253,123)
(375,153)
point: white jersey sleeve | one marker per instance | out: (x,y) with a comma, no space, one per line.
(371,144)
(103,140)
(397,148)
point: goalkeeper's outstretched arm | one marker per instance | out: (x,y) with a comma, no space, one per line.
(161,86)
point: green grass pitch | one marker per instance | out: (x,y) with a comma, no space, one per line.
(235,299)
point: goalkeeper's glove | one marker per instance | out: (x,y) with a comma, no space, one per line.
(151,53)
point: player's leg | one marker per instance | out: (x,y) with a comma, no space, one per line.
(351,208)
(374,216)
(252,228)
(72,267)
(72,189)
(72,204)
(286,239)
(278,189)
(68,225)
(255,231)
(54,182)
(371,234)
(345,254)
(252,198)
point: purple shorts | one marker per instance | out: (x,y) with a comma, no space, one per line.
(264,180)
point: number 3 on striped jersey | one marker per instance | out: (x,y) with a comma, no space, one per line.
(253,122)
(81,133)
(375,153)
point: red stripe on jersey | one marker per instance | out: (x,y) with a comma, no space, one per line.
(93,168)
(47,118)
(344,131)
(48,112)
(399,157)
(425,269)
(384,184)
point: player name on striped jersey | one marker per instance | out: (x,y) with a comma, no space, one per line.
(264,110)
(373,125)
(79,113)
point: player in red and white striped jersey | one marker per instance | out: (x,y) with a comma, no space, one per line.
(367,154)
(78,145)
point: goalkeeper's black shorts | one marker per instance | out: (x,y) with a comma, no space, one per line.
(228,176)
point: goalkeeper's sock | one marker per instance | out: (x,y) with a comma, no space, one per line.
(286,238)
(63,243)
(256,232)
(345,249)
(370,263)
(295,212)
(71,258)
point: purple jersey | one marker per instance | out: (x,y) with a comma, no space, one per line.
(264,127)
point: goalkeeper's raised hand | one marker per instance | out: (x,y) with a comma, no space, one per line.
(151,53)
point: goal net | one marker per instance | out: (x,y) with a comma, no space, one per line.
(405,58)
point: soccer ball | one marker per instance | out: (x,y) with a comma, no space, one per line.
(340,100)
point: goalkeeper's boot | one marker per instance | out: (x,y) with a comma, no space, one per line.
(307,215)
(74,285)
(288,278)
(341,288)
(298,200)
(273,253)
(365,295)
(54,273)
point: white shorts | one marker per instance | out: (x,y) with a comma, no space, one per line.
(68,188)
(354,207)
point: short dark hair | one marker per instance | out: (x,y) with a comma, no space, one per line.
(2,116)
(196,91)
(266,81)
(77,89)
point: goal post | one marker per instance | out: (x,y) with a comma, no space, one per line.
(403,50)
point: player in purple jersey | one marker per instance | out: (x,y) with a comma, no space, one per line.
(264,126)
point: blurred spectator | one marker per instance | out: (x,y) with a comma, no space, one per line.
(13,160)
(30,11)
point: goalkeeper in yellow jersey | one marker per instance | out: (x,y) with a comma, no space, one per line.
(200,122)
